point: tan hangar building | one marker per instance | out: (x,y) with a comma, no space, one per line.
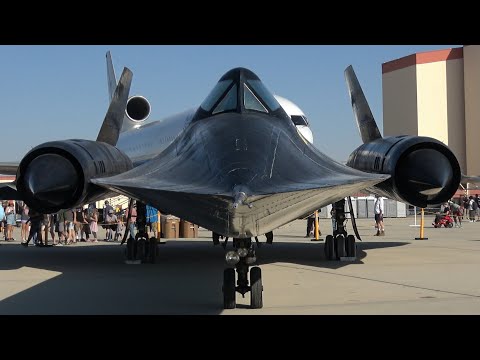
(436,94)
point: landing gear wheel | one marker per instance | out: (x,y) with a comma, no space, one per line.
(152,249)
(229,291)
(340,246)
(141,249)
(256,301)
(131,249)
(329,248)
(350,246)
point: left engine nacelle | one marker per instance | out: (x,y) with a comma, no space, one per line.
(56,175)
(423,170)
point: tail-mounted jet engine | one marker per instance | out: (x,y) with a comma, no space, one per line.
(138,109)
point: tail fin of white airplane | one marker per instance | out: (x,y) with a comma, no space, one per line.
(111,79)
(137,108)
(112,124)
(366,122)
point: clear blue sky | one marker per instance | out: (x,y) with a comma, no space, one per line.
(60,92)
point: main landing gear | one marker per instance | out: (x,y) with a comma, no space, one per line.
(140,249)
(340,244)
(240,259)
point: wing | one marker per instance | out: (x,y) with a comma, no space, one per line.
(262,213)
(8,191)
(196,181)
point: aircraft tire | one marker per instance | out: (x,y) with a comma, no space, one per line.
(350,246)
(340,246)
(256,300)
(152,249)
(229,291)
(141,249)
(329,247)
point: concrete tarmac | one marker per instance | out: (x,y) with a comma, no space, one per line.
(394,274)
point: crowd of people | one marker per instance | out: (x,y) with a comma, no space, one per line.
(81,224)
(467,207)
(70,226)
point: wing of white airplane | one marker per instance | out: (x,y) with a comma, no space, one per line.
(8,191)
(8,168)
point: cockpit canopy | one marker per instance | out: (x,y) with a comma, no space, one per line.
(239,90)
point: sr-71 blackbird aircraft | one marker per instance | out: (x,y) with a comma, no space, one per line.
(238,165)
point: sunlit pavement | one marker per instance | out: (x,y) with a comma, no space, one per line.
(394,274)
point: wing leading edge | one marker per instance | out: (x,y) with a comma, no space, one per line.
(211,208)
(195,179)
(8,191)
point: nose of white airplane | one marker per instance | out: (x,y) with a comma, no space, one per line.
(306,133)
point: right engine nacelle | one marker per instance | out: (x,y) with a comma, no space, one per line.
(423,170)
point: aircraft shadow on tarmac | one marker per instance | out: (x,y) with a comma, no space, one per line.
(186,279)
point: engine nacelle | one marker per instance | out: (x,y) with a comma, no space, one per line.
(138,109)
(56,175)
(423,170)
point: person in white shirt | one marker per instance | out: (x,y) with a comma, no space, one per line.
(472,207)
(378,208)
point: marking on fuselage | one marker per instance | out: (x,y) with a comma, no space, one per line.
(237,169)
(270,159)
(274,154)
(241,145)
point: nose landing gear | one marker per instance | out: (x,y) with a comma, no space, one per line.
(240,259)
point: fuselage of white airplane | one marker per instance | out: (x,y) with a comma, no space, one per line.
(144,141)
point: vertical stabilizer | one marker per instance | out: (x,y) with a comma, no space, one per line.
(112,80)
(112,124)
(366,123)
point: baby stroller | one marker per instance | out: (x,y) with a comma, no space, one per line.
(444,220)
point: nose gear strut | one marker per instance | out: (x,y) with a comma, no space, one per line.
(245,250)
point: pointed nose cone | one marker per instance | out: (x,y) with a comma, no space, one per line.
(239,74)
(51,179)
